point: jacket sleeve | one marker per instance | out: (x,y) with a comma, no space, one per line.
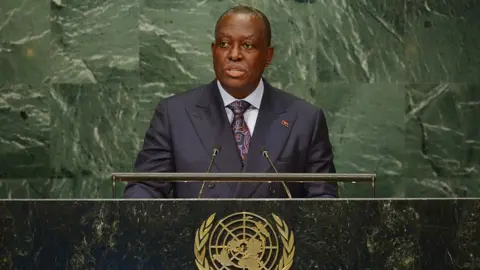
(320,159)
(154,156)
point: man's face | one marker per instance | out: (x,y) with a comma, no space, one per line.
(240,53)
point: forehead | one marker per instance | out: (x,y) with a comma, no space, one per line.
(241,24)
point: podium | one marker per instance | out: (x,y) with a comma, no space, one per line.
(241,234)
(235,234)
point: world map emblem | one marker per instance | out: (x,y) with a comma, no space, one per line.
(244,240)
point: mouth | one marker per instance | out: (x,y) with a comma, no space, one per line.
(235,72)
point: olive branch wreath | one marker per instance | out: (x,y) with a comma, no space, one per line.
(201,238)
(202,234)
(286,261)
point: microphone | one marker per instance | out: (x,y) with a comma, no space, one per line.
(265,154)
(215,151)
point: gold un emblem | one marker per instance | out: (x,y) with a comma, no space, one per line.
(244,241)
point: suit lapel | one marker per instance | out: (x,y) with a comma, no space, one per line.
(272,130)
(211,124)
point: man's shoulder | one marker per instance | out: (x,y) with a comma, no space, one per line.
(184,98)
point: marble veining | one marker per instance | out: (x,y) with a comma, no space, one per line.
(398,81)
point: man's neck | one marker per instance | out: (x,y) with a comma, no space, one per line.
(242,93)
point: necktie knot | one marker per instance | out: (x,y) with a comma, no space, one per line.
(238,107)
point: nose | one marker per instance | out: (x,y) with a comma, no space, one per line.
(234,54)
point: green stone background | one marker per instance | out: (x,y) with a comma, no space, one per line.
(399,81)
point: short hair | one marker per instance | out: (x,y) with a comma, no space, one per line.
(253,11)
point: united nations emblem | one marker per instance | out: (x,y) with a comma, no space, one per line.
(244,241)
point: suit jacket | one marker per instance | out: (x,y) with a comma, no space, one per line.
(186,127)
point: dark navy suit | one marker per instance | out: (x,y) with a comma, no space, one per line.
(186,127)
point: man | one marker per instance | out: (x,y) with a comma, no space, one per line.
(241,113)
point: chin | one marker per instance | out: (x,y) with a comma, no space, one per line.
(233,83)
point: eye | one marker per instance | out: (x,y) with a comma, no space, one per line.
(223,44)
(248,46)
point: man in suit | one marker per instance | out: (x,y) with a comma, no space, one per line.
(242,113)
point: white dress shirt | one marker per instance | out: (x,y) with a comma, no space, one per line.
(251,114)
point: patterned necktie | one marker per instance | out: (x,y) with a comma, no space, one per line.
(240,128)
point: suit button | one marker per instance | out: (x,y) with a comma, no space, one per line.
(211,185)
(272,190)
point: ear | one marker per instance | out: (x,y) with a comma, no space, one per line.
(212,48)
(270,53)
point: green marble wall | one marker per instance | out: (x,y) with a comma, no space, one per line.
(79,80)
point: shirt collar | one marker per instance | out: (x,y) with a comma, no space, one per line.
(255,98)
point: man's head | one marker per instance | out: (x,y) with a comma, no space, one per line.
(241,50)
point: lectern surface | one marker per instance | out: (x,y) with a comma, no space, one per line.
(241,234)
